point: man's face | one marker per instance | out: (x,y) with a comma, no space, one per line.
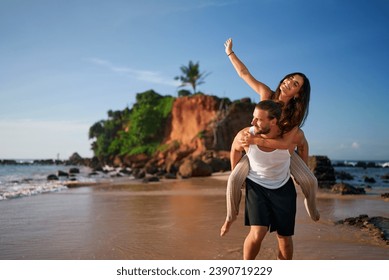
(261,121)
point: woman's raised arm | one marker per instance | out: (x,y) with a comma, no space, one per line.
(263,90)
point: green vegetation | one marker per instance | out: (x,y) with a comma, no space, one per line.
(140,129)
(133,131)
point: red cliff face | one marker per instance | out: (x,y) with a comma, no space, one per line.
(191,116)
(200,126)
(203,122)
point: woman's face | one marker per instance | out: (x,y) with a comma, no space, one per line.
(291,86)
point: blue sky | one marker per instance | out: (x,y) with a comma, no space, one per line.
(64,64)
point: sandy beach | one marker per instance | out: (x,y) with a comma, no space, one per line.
(171,220)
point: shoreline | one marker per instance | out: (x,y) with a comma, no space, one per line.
(373,229)
(170,220)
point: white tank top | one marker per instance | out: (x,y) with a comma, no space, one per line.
(268,169)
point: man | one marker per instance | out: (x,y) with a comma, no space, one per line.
(270,191)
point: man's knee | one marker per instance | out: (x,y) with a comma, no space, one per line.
(258,233)
(285,241)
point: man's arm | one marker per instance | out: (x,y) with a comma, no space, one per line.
(237,149)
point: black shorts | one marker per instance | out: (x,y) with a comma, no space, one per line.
(275,209)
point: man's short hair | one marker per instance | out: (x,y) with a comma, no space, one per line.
(274,108)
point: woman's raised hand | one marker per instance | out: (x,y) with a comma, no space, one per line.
(228,46)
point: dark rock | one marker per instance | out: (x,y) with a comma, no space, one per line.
(75,159)
(385,195)
(135,161)
(61,173)
(195,168)
(151,169)
(218,164)
(151,179)
(126,171)
(8,162)
(361,164)
(344,188)
(138,173)
(44,162)
(323,170)
(170,176)
(74,170)
(52,177)
(369,180)
(342,175)
(377,226)
(230,121)
(95,164)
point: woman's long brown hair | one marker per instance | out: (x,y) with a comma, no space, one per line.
(296,111)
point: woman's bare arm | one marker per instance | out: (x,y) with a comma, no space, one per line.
(263,90)
(281,143)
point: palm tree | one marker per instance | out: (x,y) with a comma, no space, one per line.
(191,76)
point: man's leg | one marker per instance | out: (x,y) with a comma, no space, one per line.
(285,247)
(253,241)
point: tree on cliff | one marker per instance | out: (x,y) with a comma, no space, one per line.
(191,75)
(132,131)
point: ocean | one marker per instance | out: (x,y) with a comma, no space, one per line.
(375,179)
(25,179)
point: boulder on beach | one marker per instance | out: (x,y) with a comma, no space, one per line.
(344,188)
(323,170)
(377,226)
(194,168)
(76,159)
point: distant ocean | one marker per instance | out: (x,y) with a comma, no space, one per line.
(24,179)
(365,176)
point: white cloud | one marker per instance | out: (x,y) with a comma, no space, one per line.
(355,145)
(141,75)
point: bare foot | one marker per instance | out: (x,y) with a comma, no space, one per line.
(314,214)
(225,228)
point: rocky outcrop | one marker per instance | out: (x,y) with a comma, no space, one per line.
(344,188)
(201,132)
(377,226)
(202,122)
(323,170)
(201,128)
(194,168)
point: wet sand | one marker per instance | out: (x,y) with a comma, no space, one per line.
(171,220)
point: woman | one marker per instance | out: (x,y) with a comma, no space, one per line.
(294,92)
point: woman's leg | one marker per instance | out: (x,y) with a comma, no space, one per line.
(304,177)
(234,192)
